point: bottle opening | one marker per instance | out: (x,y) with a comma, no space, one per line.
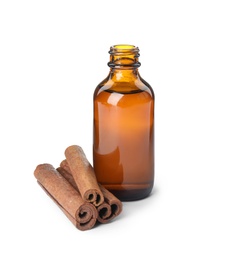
(124,47)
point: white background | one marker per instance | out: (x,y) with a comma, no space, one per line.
(52,56)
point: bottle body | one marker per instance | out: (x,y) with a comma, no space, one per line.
(123,145)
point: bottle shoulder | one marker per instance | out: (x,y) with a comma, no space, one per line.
(137,85)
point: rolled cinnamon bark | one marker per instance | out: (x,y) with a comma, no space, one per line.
(104,210)
(83,175)
(66,173)
(104,213)
(109,209)
(82,214)
(113,202)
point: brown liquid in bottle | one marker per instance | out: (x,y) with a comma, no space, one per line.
(123,149)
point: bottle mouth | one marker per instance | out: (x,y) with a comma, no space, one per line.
(123,49)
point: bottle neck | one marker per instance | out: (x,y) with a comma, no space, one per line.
(124,63)
(124,57)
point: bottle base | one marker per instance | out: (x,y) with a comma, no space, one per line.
(129,194)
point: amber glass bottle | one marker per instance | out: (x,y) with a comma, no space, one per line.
(123,144)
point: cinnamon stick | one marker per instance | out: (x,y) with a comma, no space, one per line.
(83,174)
(104,210)
(113,202)
(82,214)
(109,209)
